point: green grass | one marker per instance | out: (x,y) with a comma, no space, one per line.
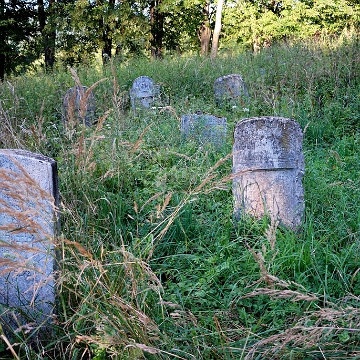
(154,265)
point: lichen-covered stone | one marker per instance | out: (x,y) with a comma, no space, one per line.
(232,90)
(143,92)
(28,226)
(204,128)
(268,167)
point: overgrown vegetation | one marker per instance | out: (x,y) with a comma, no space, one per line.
(41,34)
(154,266)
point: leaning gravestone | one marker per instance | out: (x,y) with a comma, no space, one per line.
(231,89)
(204,128)
(79,106)
(28,226)
(268,166)
(143,92)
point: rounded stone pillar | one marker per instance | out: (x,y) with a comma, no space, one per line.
(268,166)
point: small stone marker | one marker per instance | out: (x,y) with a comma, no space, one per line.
(79,106)
(28,226)
(231,89)
(204,128)
(268,166)
(143,92)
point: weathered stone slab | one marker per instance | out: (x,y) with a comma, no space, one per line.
(231,89)
(268,167)
(204,128)
(143,92)
(79,106)
(28,226)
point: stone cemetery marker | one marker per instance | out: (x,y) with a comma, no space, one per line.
(231,89)
(268,166)
(79,106)
(28,226)
(143,92)
(204,128)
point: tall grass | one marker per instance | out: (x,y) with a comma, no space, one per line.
(27,265)
(153,264)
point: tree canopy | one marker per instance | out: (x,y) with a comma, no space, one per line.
(18,42)
(74,31)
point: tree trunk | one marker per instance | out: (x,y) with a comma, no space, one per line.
(2,67)
(205,31)
(217,30)
(48,36)
(106,32)
(2,41)
(157,29)
(50,40)
(50,51)
(107,47)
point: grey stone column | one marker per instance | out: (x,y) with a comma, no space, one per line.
(28,226)
(268,166)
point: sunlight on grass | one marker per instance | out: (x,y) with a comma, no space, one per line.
(153,263)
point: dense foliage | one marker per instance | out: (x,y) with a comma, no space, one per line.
(18,43)
(261,23)
(75,31)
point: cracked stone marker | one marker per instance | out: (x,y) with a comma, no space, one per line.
(268,167)
(79,106)
(204,128)
(231,89)
(143,92)
(28,227)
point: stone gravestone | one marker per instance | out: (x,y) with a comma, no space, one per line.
(204,128)
(143,92)
(268,166)
(231,89)
(28,226)
(79,106)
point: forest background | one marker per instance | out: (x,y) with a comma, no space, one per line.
(154,267)
(71,32)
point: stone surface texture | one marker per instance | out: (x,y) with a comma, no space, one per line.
(231,89)
(143,92)
(268,167)
(28,226)
(79,106)
(204,128)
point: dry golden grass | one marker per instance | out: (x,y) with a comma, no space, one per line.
(78,103)
(114,314)
(310,331)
